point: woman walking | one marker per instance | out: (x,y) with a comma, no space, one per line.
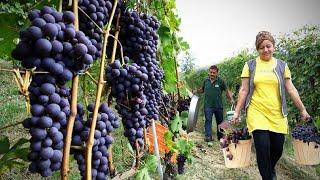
(265,80)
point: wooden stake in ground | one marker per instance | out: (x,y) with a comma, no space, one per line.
(98,95)
(73,109)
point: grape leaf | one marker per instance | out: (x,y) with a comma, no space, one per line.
(4,145)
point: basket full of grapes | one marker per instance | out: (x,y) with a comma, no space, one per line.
(306,144)
(236,146)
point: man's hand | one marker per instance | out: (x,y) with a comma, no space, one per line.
(195,91)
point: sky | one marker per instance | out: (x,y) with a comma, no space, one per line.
(217,29)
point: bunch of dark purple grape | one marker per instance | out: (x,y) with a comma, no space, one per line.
(183,104)
(234,137)
(106,122)
(171,170)
(181,159)
(126,83)
(49,108)
(50,44)
(306,133)
(168,107)
(139,39)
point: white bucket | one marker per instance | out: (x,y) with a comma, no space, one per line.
(230,115)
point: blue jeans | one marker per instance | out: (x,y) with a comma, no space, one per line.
(208,113)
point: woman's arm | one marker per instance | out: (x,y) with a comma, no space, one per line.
(243,92)
(293,93)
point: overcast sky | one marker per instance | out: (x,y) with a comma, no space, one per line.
(216,29)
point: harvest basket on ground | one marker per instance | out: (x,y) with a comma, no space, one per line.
(236,147)
(306,144)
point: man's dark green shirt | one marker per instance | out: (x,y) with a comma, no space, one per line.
(213,92)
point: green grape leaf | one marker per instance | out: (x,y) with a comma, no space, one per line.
(4,145)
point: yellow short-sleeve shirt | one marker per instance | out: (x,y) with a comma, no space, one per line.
(264,111)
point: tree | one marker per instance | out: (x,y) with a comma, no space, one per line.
(187,64)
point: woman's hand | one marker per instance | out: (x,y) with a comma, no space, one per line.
(235,118)
(304,115)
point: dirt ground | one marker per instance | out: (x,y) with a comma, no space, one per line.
(209,164)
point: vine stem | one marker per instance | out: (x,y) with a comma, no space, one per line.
(91,20)
(137,155)
(113,56)
(177,76)
(73,109)
(91,77)
(98,96)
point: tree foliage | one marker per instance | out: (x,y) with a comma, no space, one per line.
(170,43)
(187,63)
(13,17)
(301,50)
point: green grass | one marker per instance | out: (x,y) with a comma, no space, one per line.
(12,104)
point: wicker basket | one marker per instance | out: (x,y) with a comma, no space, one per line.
(241,154)
(306,153)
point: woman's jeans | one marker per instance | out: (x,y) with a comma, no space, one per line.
(218,113)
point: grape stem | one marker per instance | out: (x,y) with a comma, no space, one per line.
(111,166)
(91,77)
(124,106)
(121,48)
(91,19)
(116,35)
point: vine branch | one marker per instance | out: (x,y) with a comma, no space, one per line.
(98,95)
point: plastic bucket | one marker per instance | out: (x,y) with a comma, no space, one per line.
(241,153)
(230,115)
(306,153)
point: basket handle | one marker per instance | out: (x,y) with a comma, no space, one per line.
(232,107)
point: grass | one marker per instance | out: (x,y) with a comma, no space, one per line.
(12,106)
